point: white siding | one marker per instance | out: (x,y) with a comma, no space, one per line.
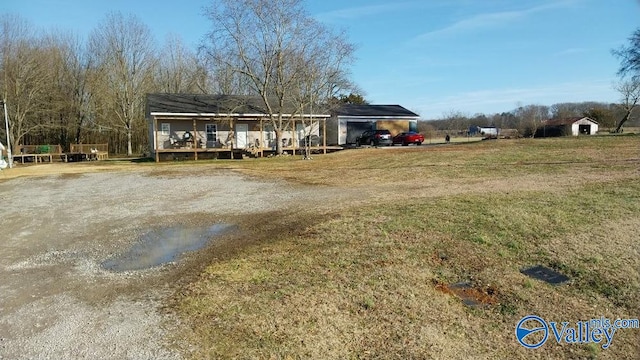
(224,137)
(332,131)
(575,127)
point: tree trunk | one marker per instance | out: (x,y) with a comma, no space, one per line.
(278,142)
(78,130)
(307,147)
(624,120)
(129,150)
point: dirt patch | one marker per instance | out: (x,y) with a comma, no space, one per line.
(470,295)
(57,301)
(63,169)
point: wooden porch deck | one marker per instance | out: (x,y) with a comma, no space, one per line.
(37,158)
(228,153)
(49,153)
(36,153)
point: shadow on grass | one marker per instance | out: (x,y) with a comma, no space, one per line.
(141,160)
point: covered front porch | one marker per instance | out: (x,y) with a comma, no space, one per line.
(196,138)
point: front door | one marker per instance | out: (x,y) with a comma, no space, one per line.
(241,135)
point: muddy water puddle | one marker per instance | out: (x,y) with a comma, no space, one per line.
(164,245)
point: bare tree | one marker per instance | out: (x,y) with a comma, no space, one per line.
(455,121)
(427,129)
(179,70)
(603,114)
(531,118)
(25,76)
(629,97)
(70,93)
(223,79)
(630,57)
(629,72)
(566,110)
(271,44)
(323,76)
(125,58)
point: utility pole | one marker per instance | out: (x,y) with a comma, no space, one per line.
(6,126)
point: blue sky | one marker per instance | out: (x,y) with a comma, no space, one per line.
(431,56)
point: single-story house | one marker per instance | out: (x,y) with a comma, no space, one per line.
(349,121)
(211,126)
(568,126)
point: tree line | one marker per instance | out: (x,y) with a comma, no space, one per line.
(526,119)
(60,88)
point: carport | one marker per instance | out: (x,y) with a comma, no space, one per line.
(350,121)
(356,128)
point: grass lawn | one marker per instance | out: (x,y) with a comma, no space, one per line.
(366,277)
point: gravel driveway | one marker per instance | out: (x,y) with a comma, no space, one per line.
(56,301)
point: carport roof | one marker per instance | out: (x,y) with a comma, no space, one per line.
(374,110)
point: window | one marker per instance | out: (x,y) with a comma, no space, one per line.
(165,128)
(212,132)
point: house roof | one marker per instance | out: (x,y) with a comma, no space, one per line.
(202,104)
(374,110)
(567,121)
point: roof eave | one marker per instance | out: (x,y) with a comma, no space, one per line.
(383,117)
(231,115)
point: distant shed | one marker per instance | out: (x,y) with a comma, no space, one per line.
(568,126)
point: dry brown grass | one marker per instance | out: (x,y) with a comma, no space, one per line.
(358,276)
(464,163)
(361,279)
(64,169)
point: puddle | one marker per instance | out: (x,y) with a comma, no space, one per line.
(164,245)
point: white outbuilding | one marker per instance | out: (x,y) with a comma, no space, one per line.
(568,126)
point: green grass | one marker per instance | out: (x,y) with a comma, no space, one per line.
(358,280)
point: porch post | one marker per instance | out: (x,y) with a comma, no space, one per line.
(261,139)
(195,140)
(155,138)
(324,136)
(232,131)
(293,135)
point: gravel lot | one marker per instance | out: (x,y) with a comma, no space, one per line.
(56,301)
